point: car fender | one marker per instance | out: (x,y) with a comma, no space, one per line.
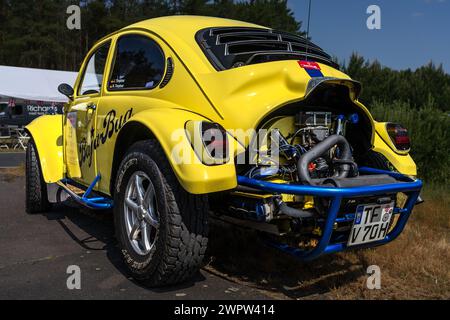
(167,126)
(401,160)
(47,134)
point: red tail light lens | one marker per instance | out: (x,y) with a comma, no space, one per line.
(399,136)
(215,140)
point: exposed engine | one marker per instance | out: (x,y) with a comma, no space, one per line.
(314,149)
(308,148)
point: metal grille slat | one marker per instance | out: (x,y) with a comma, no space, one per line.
(230,47)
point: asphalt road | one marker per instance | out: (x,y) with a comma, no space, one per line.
(11,159)
(36,250)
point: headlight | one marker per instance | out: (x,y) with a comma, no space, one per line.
(209,141)
(399,136)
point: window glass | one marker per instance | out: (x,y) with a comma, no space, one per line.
(93,76)
(139,64)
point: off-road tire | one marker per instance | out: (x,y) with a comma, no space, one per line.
(36,188)
(183,233)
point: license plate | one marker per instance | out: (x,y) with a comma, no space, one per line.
(371,223)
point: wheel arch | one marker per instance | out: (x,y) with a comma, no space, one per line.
(47,134)
(131,133)
(166,126)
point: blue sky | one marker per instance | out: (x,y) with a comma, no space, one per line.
(413,32)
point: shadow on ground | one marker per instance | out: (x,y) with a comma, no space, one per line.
(234,253)
(241,255)
(98,230)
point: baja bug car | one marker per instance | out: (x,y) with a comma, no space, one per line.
(174,118)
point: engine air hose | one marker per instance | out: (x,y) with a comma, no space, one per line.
(320,149)
(292,212)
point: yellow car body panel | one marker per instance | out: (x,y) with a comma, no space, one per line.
(166,124)
(247,94)
(237,98)
(402,162)
(380,128)
(194,176)
(48,137)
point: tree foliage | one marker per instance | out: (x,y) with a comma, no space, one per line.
(417,87)
(430,136)
(33,33)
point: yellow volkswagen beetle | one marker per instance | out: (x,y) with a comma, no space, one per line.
(176,118)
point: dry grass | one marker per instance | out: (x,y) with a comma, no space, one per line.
(415,266)
(10,150)
(10,174)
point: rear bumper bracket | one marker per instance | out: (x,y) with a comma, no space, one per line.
(405,184)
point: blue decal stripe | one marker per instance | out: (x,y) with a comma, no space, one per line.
(314,73)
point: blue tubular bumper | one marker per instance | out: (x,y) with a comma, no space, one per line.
(406,185)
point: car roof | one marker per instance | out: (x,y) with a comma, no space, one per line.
(179,33)
(188,26)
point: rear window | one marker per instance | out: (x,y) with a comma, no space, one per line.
(231,47)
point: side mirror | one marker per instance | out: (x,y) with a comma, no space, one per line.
(66,90)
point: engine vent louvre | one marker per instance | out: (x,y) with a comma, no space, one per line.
(169,73)
(231,47)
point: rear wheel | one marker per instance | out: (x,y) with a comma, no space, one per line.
(36,188)
(161,229)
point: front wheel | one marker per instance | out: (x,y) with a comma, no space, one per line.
(36,199)
(161,229)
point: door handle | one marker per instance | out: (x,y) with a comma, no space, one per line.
(90,110)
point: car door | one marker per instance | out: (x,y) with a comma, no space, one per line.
(137,67)
(80,142)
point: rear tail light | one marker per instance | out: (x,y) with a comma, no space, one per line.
(399,136)
(215,140)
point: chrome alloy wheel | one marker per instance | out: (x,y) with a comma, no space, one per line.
(141,213)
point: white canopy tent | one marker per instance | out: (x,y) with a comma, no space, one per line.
(33,84)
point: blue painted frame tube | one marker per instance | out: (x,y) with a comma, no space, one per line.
(97,203)
(328,230)
(408,186)
(330,191)
(91,187)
